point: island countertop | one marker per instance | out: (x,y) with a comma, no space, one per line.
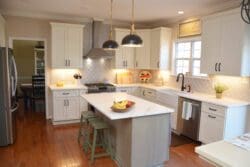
(103,102)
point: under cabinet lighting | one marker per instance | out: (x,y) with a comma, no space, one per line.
(180,12)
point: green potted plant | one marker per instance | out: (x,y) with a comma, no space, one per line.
(219,89)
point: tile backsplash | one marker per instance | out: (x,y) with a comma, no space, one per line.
(100,70)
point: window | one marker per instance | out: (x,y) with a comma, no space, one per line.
(187,57)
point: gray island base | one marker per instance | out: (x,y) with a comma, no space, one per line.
(140,137)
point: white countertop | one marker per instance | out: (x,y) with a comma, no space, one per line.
(103,102)
(226,102)
(225,154)
(67,87)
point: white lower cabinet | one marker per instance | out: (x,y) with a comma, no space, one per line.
(220,123)
(67,106)
(169,99)
(211,127)
(130,90)
(149,94)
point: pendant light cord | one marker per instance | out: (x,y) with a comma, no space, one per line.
(111,20)
(133,15)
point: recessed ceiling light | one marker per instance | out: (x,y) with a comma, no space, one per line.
(180,12)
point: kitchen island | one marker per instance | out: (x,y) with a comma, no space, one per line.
(141,136)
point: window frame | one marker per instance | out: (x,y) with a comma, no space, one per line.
(191,59)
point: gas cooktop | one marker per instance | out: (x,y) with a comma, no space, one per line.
(100,87)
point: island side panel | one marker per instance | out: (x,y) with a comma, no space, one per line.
(123,141)
(150,140)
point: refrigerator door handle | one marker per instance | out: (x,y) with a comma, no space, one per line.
(15,108)
(15,79)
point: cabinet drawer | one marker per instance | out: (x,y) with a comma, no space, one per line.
(126,90)
(148,93)
(66,93)
(211,128)
(83,91)
(214,109)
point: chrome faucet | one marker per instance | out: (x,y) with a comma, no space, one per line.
(183,87)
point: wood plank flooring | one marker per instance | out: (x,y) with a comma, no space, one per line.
(39,144)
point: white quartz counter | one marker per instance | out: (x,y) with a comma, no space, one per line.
(103,102)
(67,87)
(226,102)
(224,154)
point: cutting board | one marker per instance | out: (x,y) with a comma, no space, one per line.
(124,78)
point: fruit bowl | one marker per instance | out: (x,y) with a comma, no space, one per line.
(122,106)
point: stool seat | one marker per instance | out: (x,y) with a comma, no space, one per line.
(88,114)
(99,125)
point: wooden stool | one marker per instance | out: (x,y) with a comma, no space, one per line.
(99,126)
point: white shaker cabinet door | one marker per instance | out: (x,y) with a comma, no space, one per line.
(58,46)
(211,128)
(155,49)
(73,108)
(211,44)
(74,46)
(142,54)
(59,109)
(232,44)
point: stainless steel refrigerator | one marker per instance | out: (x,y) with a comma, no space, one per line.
(8,102)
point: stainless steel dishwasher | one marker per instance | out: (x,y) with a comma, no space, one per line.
(189,127)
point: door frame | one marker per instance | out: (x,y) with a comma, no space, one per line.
(11,39)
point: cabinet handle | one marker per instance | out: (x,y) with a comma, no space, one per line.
(67,102)
(65,62)
(219,66)
(65,93)
(210,116)
(136,64)
(158,64)
(149,92)
(143,92)
(216,67)
(123,90)
(64,101)
(212,109)
(69,62)
(126,63)
(123,63)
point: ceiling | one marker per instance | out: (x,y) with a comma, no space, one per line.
(146,11)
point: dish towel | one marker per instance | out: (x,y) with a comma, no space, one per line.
(187,110)
(242,141)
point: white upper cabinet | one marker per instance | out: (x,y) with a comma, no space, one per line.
(155,53)
(225,44)
(67,45)
(2,32)
(160,48)
(124,56)
(142,54)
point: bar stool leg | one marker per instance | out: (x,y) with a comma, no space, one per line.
(93,146)
(80,129)
(110,150)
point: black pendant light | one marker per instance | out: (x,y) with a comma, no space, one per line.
(245,11)
(110,44)
(132,40)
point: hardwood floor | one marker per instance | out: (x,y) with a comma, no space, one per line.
(39,144)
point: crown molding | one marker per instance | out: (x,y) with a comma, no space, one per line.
(45,16)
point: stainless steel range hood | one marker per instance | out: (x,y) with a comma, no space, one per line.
(100,33)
